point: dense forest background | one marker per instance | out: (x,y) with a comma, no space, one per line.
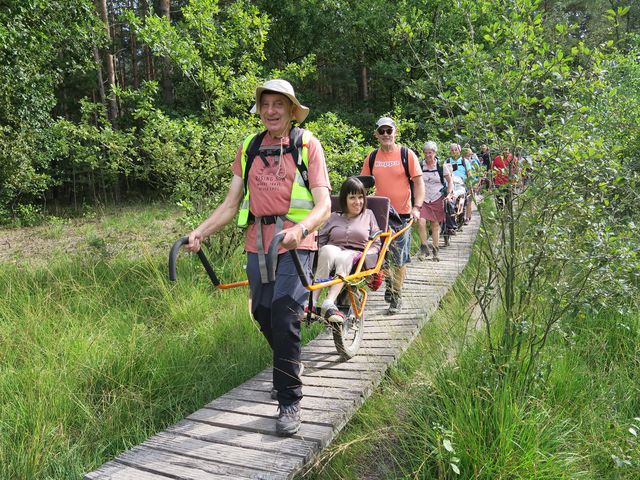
(106,100)
(113,102)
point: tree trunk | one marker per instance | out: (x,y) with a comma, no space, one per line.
(101,6)
(149,69)
(101,92)
(365,83)
(167,71)
(133,51)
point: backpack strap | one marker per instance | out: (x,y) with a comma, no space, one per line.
(440,172)
(296,143)
(252,151)
(372,160)
(404,157)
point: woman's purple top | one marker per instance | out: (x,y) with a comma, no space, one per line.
(352,233)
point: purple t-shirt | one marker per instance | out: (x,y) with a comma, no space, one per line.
(350,233)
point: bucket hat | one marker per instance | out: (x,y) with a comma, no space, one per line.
(283,87)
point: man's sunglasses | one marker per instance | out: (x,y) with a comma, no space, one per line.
(385,131)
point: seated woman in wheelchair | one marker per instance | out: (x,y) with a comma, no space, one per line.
(342,240)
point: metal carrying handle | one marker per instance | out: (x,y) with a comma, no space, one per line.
(173,255)
(273,254)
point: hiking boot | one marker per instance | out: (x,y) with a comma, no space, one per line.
(289,419)
(435,251)
(423,254)
(395,305)
(274,392)
(388,294)
(334,315)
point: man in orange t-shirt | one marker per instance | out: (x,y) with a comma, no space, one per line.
(267,205)
(392,181)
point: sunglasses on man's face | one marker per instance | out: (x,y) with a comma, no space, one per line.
(385,131)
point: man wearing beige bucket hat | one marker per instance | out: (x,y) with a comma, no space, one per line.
(280,184)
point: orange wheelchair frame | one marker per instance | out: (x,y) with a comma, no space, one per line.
(347,335)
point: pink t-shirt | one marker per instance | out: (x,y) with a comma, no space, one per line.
(391,179)
(432,185)
(270,188)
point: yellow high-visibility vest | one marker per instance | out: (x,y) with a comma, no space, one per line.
(301,202)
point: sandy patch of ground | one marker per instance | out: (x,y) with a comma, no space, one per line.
(98,237)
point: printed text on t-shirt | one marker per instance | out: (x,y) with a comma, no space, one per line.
(390,163)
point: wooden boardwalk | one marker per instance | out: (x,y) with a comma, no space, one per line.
(234,435)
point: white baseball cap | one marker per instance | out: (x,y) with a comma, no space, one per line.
(385,121)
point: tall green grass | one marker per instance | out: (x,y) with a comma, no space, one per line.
(97,353)
(436,416)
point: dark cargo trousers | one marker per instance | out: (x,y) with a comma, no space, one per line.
(277,307)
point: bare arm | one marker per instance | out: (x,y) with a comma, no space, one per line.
(418,193)
(449,179)
(320,213)
(220,216)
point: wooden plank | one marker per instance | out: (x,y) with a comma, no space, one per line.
(333,362)
(246,407)
(367,342)
(318,358)
(360,358)
(228,457)
(257,441)
(382,333)
(118,471)
(391,322)
(325,381)
(339,393)
(321,434)
(386,352)
(355,374)
(308,402)
(180,466)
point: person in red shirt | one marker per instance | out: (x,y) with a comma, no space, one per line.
(504,169)
(277,297)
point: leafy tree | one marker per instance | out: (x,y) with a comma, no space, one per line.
(40,43)
(217,48)
(503,79)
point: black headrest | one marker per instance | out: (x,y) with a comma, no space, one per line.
(368,181)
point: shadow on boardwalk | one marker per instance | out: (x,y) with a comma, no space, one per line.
(234,435)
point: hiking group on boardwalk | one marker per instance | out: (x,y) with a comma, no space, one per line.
(280,190)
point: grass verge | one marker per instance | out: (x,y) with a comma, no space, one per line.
(98,352)
(441,413)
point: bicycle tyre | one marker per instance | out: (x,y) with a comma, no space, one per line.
(347,336)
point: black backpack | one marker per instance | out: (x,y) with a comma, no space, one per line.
(404,157)
(294,147)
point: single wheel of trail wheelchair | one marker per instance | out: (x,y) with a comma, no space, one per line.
(347,336)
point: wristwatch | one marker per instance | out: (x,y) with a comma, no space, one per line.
(305,230)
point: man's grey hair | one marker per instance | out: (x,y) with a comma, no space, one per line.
(430,145)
